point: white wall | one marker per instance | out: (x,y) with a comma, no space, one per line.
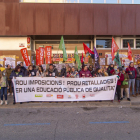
(12,43)
(118,41)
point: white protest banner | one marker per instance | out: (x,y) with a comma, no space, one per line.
(64,89)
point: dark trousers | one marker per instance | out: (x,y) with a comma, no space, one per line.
(10,86)
(118,89)
(13,95)
(4,92)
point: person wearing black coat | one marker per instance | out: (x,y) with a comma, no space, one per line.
(52,71)
(31,72)
(63,72)
(23,69)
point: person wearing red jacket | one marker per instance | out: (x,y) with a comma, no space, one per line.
(132,76)
(85,72)
(119,83)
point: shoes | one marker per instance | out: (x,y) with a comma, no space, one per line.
(20,102)
(1,103)
(128,99)
(8,94)
(134,95)
(119,101)
(14,103)
(12,94)
(121,98)
(6,103)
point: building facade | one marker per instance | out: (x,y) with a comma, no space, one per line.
(93,24)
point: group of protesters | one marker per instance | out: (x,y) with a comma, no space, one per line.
(126,77)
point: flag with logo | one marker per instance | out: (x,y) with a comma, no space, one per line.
(96,57)
(24,53)
(87,49)
(114,48)
(129,52)
(62,47)
(76,57)
(117,59)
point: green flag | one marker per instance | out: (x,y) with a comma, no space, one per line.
(76,57)
(117,59)
(62,47)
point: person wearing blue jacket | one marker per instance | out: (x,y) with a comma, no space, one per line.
(15,73)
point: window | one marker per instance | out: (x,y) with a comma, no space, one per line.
(130,41)
(98,1)
(84,1)
(70,45)
(111,1)
(103,43)
(137,43)
(136,1)
(126,1)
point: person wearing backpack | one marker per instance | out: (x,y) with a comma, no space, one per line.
(125,85)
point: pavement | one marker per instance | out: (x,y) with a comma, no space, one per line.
(135,101)
(71,123)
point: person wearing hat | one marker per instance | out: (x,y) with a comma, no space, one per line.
(125,85)
(119,83)
(52,71)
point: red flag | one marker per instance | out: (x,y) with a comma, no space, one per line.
(87,49)
(82,58)
(114,48)
(129,52)
(37,57)
(25,56)
(48,54)
(41,55)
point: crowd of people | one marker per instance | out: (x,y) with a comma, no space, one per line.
(126,77)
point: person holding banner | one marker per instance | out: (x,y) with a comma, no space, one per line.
(40,72)
(85,72)
(91,69)
(119,83)
(31,72)
(63,72)
(98,73)
(4,85)
(110,70)
(68,72)
(23,69)
(52,71)
(74,73)
(16,73)
(104,71)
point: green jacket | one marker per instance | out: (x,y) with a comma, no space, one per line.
(8,73)
(126,76)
